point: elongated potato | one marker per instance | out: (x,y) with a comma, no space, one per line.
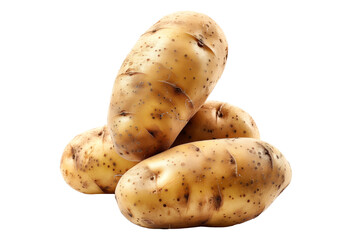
(213,183)
(91,155)
(90,164)
(218,120)
(163,82)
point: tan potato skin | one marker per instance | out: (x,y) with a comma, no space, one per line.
(218,182)
(90,164)
(216,120)
(163,82)
(94,152)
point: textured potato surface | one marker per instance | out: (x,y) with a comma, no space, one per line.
(218,182)
(90,163)
(95,150)
(216,120)
(163,82)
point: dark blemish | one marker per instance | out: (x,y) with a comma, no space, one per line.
(186,196)
(282,190)
(217,201)
(205,221)
(232,160)
(200,43)
(151,132)
(73,152)
(123,113)
(85,185)
(178,90)
(105,189)
(219,112)
(129,213)
(129,72)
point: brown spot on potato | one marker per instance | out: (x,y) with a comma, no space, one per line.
(124,113)
(200,43)
(147,221)
(219,113)
(217,201)
(101,132)
(153,133)
(186,196)
(232,160)
(129,213)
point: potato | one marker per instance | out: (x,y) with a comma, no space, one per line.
(90,164)
(218,182)
(94,152)
(218,120)
(163,82)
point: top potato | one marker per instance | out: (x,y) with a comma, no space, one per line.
(163,82)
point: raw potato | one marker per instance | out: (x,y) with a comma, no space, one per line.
(218,182)
(90,164)
(216,120)
(163,82)
(91,155)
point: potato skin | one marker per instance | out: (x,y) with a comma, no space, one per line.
(94,151)
(218,182)
(163,82)
(216,120)
(90,164)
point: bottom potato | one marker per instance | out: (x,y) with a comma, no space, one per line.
(218,182)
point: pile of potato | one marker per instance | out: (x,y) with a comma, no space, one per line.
(172,159)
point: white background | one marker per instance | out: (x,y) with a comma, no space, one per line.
(293,65)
